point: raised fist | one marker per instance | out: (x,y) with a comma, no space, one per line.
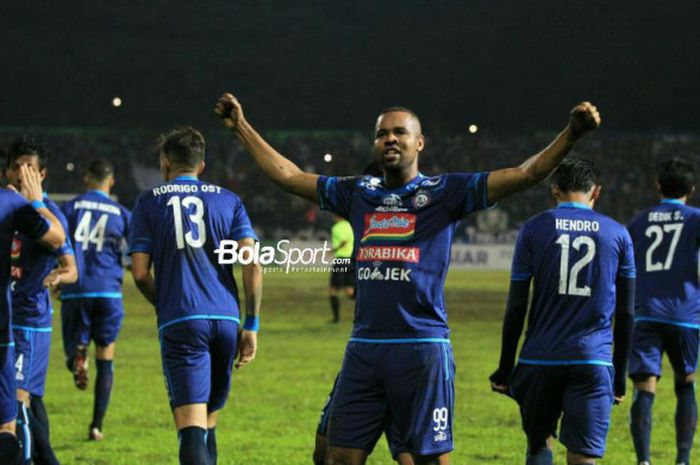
(584,118)
(229,110)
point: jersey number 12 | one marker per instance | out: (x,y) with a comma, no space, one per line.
(196,217)
(568,279)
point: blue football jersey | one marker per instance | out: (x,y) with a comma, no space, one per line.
(31,263)
(180,224)
(402,248)
(98,227)
(574,255)
(16,215)
(666,241)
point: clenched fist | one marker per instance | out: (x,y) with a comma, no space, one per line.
(229,110)
(584,118)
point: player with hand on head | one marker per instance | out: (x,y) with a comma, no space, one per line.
(35,269)
(582,265)
(666,239)
(403,225)
(92,308)
(177,228)
(23,212)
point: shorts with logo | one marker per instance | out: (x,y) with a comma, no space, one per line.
(582,393)
(652,339)
(32,349)
(197,357)
(8,386)
(405,389)
(342,275)
(84,319)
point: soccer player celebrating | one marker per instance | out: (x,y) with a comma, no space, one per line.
(177,227)
(398,369)
(342,274)
(666,239)
(37,223)
(34,269)
(92,308)
(582,265)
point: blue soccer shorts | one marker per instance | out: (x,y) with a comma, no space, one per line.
(197,357)
(652,339)
(97,319)
(32,349)
(8,386)
(582,393)
(405,389)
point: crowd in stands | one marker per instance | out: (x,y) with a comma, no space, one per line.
(628,162)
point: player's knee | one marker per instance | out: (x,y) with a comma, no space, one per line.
(579,459)
(318,457)
(684,378)
(684,383)
(644,382)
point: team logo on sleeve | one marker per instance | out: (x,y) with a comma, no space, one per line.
(389,226)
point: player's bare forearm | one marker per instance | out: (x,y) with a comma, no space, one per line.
(622,334)
(276,166)
(504,182)
(143,278)
(253,288)
(67,269)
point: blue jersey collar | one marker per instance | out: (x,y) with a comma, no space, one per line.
(98,192)
(406,187)
(186,178)
(673,201)
(574,205)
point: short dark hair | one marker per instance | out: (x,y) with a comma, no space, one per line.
(26,145)
(183,146)
(576,175)
(403,110)
(99,170)
(676,178)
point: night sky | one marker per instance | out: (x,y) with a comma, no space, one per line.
(506,65)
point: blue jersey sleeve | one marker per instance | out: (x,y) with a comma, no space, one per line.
(334,194)
(27,220)
(522,267)
(140,233)
(626,268)
(242,227)
(467,192)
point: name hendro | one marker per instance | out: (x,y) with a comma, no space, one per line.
(577,225)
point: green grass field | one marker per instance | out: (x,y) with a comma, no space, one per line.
(274,405)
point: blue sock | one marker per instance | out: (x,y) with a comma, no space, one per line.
(193,446)
(43,453)
(686,419)
(541,456)
(24,434)
(103,389)
(38,411)
(211,444)
(640,423)
(9,448)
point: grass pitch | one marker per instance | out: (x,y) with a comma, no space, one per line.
(275,402)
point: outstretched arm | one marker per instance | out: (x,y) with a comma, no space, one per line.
(278,168)
(502,183)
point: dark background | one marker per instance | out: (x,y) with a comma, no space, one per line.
(505,65)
